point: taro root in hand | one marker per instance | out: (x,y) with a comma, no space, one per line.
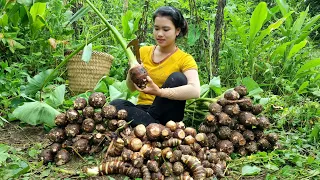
(138,75)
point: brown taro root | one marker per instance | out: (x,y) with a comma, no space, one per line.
(212,140)
(97,99)
(98,138)
(171,142)
(202,139)
(195,147)
(177,168)
(231,109)
(195,166)
(88,125)
(112,124)
(225,146)
(242,151)
(248,119)
(122,124)
(166,133)
(132,172)
(181,125)
(215,108)
(166,168)
(206,129)
(61,119)
(153,166)
(246,104)
(145,172)
(72,115)
(146,150)
(171,125)
(210,119)
(272,138)
(55,147)
(258,134)
(138,75)
(109,111)
(190,131)
(264,144)
(97,117)
(62,157)
(57,135)
(257,109)
(72,130)
(176,156)
(67,143)
(135,144)
(46,156)
(157,176)
(185,149)
(209,172)
(224,119)
(264,122)
(100,128)
(140,130)
(116,148)
(237,139)
(166,153)
(241,90)
(231,95)
(155,154)
(137,159)
(240,127)
(248,135)
(224,132)
(110,167)
(251,147)
(81,146)
(88,112)
(122,114)
(154,131)
(189,140)
(219,169)
(79,103)
(179,133)
(126,154)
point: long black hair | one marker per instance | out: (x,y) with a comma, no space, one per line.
(175,16)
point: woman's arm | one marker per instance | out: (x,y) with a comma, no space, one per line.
(188,91)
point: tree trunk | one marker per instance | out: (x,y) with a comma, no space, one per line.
(218,36)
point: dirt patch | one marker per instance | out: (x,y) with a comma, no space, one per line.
(22,136)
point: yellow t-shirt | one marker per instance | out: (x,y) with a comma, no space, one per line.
(179,61)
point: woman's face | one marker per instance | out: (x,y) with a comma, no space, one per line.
(164,31)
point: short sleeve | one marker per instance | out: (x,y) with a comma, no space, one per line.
(188,63)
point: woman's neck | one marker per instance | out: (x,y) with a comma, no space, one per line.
(167,49)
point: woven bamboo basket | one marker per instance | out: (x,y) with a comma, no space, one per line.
(84,76)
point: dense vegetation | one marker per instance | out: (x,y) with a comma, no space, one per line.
(272,47)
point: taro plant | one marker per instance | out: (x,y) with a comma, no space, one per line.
(269,52)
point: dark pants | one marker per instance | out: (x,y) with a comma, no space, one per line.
(162,109)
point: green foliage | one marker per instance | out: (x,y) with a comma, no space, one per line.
(35,113)
(12,166)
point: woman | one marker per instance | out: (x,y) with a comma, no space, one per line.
(173,76)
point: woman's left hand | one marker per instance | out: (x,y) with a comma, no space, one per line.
(151,88)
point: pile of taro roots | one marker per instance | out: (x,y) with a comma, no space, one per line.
(170,151)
